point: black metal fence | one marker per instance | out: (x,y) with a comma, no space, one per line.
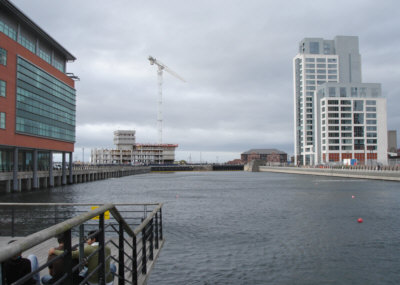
(134,232)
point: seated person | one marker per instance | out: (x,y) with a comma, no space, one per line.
(17,267)
(56,269)
(93,261)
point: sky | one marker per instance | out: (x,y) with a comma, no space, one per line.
(236,57)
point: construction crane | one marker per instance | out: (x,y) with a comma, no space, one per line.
(160,68)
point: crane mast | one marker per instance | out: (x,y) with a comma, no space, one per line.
(160,68)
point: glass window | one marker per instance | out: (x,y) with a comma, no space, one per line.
(333,115)
(370,109)
(346,128)
(3,56)
(333,102)
(371,102)
(333,122)
(371,115)
(345,115)
(371,135)
(321,60)
(347,141)
(333,141)
(333,128)
(371,141)
(333,108)
(310,65)
(310,59)
(358,144)
(310,70)
(27,43)
(358,118)
(345,102)
(331,59)
(323,71)
(333,77)
(310,81)
(371,122)
(333,147)
(358,105)
(346,135)
(346,122)
(2,120)
(358,131)
(347,147)
(45,56)
(342,91)
(345,109)
(371,128)
(332,65)
(2,88)
(332,71)
(321,65)
(7,30)
(332,91)
(314,47)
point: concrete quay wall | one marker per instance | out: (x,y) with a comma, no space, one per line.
(389,175)
(79,175)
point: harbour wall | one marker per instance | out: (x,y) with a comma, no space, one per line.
(389,175)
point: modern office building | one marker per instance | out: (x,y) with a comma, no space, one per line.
(37,97)
(327,72)
(129,152)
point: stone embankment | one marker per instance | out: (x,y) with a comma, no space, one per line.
(390,174)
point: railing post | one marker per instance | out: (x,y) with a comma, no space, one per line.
(102,259)
(161,228)
(134,262)
(81,245)
(144,257)
(151,237)
(68,256)
(156,230)
(12,221)
(121,257)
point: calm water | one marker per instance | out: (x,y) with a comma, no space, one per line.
(260,228)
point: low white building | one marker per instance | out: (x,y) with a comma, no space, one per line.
(129,152)
(351,123)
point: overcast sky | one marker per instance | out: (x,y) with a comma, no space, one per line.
(236,57)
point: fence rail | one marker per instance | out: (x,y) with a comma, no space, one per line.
(133,231)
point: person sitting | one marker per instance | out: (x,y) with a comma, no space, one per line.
(57,270)
(17,267)
(93,260)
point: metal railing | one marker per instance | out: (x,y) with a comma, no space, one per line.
(136,236)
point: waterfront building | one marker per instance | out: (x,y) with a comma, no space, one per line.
(392,141)
(325,132)
(37,97)
(127,151)
(273,156)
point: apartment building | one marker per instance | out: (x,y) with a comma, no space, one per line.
(332,68)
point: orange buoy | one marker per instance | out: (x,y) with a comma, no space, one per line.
(360,220)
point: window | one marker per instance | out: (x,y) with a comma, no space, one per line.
(333,128)
(331,59)
(2,88)
(3,56)
(333,141)
(333,108)
(333,135)
(332,71)
(322,71)
(7,30)
(27,43)
(346,135)
(371,102)
(333,115)
(2,120)
(370,109)
(358,131)
(346,115)
(342,91)
(346,128)
(345,109)
(371,122)
(371,115)
(358,105)
(333,122)
(321,65)
(371,135)
(358,144)
(333,102)
(345,102)
(310,59)
(321,59)
(332,66)
(346,122)
(333,147)
(310,65)
(371,141)
(347,147)
(332,91)
(314,47)
(371,128)
(358,118)
(347,141)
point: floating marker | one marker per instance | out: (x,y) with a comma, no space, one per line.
(353,196)
(360,220)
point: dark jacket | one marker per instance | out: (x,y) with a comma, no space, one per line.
(14,269)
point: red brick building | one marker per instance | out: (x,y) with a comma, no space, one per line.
(268,155)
